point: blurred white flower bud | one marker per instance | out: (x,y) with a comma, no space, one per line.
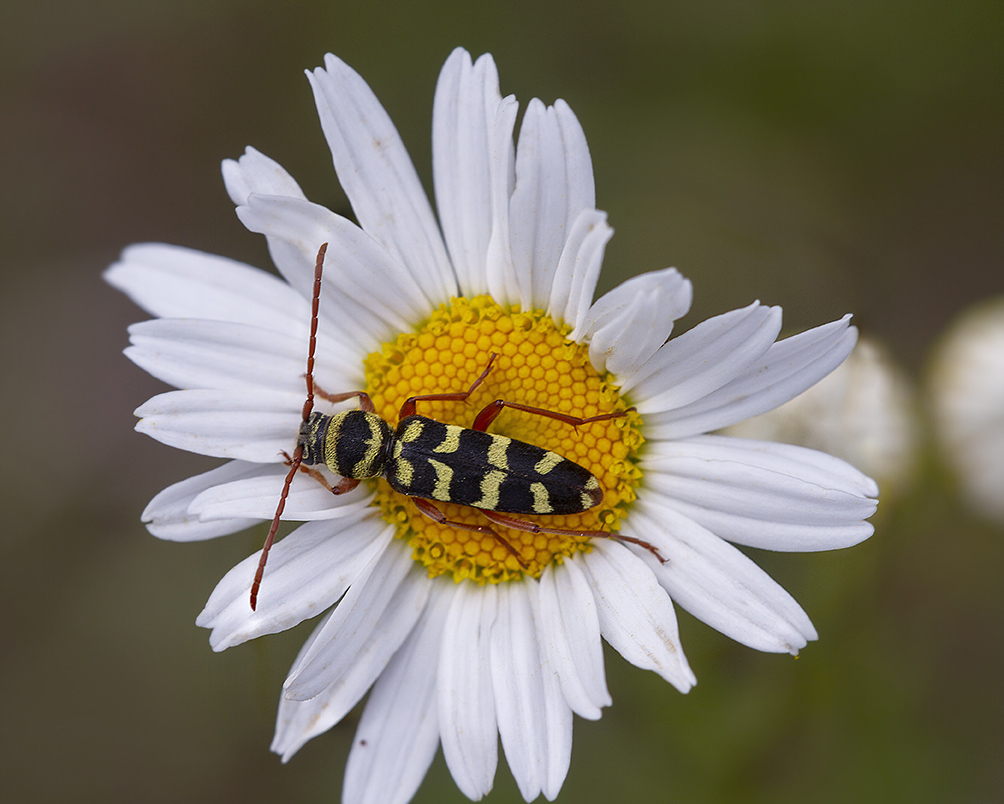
(967,401)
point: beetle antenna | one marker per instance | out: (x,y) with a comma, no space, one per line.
(308,407)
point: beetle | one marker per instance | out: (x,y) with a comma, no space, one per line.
(428,460)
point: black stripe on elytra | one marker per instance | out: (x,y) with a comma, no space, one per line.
(473,472)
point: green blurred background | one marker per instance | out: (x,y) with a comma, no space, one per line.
(828,157)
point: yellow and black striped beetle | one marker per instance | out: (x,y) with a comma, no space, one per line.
(428,460)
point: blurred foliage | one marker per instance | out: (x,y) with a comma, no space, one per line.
(829,157)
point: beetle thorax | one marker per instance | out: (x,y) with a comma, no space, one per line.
(353,443)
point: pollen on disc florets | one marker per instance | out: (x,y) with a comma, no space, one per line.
(537,365)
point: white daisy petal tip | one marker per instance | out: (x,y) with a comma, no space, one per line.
(862,412)
(466,103)
(378,177)
(684,397)
(636,614)
(762,494)
(718,584)
(628,325)
(253,172)
(169,515)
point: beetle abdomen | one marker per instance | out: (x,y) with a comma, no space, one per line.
(456,464)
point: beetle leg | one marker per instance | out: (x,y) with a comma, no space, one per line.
(294,462)
(344,485)
(533,527)
(365,403)
(436,515)
(408,408)
(492,409)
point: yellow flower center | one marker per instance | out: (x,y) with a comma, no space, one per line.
(537,366)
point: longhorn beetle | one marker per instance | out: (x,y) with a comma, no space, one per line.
(428,460)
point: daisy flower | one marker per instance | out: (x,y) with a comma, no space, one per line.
(456,640)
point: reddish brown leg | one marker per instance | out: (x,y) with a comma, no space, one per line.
(492,409)
(408,408)
(532,527)
(365,403)
(294,464)
(308,407)
(341,487)
(436,515)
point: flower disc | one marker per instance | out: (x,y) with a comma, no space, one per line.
(538,366)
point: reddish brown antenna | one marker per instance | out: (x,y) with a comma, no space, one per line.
(308,406)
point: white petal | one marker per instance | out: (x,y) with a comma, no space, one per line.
(307,572)
(168,516)
(503,283)
(256,173)
(626,327)
(787,369)
(518,688)
(579,268)
(705,358)
(463,119)
(467,722)
(719,585)
(529,697)
(175,282)
(636,614)
(774,496)
(569,633)
(558,725)
(297,722)
(554,183)
(398,732)
(861,412)
(194,353)
(367,627)
(300,720)
(257,496)
(379,179)
(251,425)
(580,190)
(376,297)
